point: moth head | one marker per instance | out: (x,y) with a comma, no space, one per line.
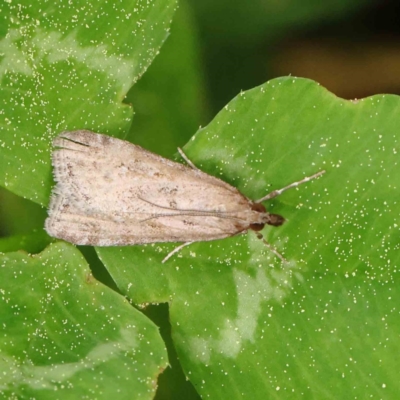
(266,218)
(275,219)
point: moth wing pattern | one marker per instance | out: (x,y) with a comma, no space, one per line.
(111,192)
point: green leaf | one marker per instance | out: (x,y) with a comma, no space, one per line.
(246,325)
(34,242)
(68,66)
(19,216)
(169,100)
(63,332)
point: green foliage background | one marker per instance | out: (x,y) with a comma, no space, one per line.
(244,326)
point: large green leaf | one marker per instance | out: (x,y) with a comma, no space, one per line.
(246,325)
(68,65)
(66,336)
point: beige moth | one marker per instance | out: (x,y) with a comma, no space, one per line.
(110,192)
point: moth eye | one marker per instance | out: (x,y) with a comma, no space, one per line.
(257,227)
(258,207)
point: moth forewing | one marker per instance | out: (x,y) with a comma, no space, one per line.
(110,192)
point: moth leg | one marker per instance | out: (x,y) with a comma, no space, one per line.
(276,193)
(170,254)
(271,248)
(188,162)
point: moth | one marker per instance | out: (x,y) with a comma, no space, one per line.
(110,192)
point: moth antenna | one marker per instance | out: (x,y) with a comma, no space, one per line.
(182,212)
(188,162)
(171,253)
(191,214)
(278,192)
(271,248)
